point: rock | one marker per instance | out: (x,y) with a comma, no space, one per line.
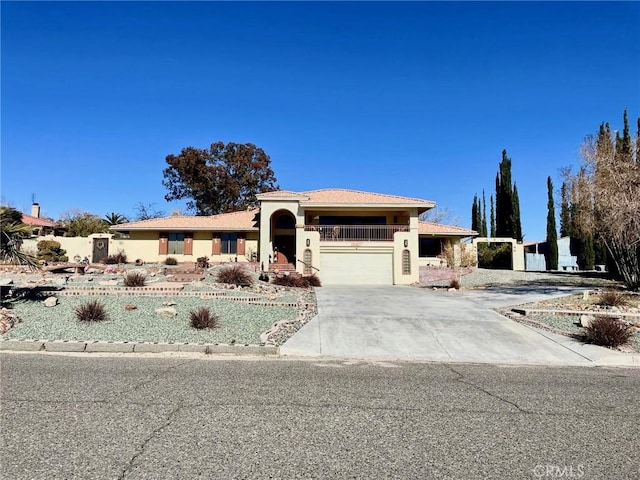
(110,269)
(168,304)
(92,271)
(586,320)
(79,278)
(452,290)
(107,283)
(167,312)
(129,306)
(51,302)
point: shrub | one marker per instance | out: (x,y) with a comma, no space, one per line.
(135,279)
(296,281)
(202,262)
(612,298)
(608,332)
(91,311)
(50,251)
(235,275)
(119,257)
(170,261)
(455,283)
(203,318)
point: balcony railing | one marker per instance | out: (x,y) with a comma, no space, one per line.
(356,233)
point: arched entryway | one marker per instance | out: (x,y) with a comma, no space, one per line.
(283,237)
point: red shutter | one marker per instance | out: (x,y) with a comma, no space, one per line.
(217,245)
(164,244)
(241,244)
(188,244)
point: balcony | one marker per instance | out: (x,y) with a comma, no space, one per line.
(356,233)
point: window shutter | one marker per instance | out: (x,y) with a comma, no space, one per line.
(163,248)
(241,244)
(188,243)
(217,245)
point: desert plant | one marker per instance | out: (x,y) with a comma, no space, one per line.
(235,275)
(202,262)
(51,251)
(91,311)
(314,280)
(607,332)
(612,298)
(119,257)
(135,279)
(203,318)
(292,280)
(170,261)
(455,283)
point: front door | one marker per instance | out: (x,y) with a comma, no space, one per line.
(100,249)
(284,247)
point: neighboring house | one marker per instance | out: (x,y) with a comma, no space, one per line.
(40,226)
(345,236)
(435,238)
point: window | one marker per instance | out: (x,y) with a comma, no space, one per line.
(406,262)
(229,243)
(176,243)
(430,247)
(307,262)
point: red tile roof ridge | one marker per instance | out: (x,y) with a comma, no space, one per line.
(351,190)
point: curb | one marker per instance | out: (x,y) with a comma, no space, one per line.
(95,346)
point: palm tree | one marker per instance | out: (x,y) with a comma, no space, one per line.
(115,219)
(12,232)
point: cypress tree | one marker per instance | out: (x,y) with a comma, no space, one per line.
(474,214)
(552,234)
(483,225)
(565,212)
(517,225)
(505,226)
(493,219)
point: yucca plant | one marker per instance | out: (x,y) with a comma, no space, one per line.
(203,318)
(235,275)
(91,311)
(135,279)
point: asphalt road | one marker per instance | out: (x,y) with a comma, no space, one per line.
(115,417)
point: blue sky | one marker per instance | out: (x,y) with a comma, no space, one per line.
(415,99)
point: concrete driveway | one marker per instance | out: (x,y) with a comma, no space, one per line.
(409,323)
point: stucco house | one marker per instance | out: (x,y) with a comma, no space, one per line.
(344,236)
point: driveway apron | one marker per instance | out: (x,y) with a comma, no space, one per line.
(409,323)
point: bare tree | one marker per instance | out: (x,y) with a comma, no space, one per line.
(606,192)
(441,215)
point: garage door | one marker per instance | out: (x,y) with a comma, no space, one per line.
(356,268)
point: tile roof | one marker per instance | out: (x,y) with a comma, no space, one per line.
(430,228)
(342,196)
(245,220)
(36,222)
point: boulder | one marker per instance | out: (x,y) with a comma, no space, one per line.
(130,306)
(51,302)
(167,312)
(586,320)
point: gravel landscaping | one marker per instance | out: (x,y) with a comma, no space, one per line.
(245,314)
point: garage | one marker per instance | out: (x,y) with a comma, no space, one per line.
(349,268)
